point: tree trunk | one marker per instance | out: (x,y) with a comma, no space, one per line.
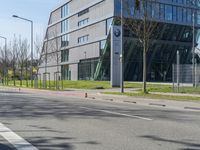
(21,76)
(14,76)
(144,68)
(145,50)
(26,74)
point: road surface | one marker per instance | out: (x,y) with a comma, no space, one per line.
(32,121)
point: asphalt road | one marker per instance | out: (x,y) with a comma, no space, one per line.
(52,122)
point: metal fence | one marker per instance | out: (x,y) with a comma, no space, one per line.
(185,76)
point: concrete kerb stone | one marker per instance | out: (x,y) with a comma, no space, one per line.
(155,103)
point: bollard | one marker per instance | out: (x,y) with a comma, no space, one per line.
(86,95)
(19,89)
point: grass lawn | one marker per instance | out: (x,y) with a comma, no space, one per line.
(106,85)
(89,84)
(157,96)
(68,84)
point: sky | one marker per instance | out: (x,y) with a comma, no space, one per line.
(36,10)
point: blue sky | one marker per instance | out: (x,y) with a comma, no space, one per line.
(36,10)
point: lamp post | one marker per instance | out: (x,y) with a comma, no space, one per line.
(193,46)
(5,70)
(31,44)
(122,54)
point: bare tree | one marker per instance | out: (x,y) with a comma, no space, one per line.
(14,53)
(56,55)
(2,63)
(38,53)
(141,20)
(23,58)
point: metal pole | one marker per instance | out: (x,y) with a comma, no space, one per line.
(5,66)
(122,54)
(31,53)
(173,75)
(178,70)
(195,73)
(193,47)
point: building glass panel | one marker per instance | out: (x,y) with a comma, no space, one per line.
(108,25)
(66,73)
(64,26)
(64,11)
(64,40)
(65,55)
(102,46)
(168,12)
(179,14)
(174,13)
(198,17)
(162,10)
(189,15)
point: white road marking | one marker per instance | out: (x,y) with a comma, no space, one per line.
(18,142)
(116,113)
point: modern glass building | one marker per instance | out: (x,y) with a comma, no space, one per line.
(79,40)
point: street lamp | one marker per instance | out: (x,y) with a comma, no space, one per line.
(15,16)
(5,70)
(121,55)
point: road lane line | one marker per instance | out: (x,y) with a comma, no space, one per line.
(116,113)
(18,142)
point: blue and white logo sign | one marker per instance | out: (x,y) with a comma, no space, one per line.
(117,32)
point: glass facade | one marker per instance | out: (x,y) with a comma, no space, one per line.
(174,32)
(160,56)
(179,11)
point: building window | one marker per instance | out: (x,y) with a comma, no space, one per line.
(65,55)
(162,10)
(184,15)
(155,11)
(108,25)
(83,39)
(66,73)
(180,14)
(198,3)
(64,11)
(174,13)
(83,22)
(85,11)
(64,26)
(198,17)
(168,12)
(102,45)
(65,40)
(87,68)
(189,15)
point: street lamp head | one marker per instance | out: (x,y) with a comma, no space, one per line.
(15,16)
